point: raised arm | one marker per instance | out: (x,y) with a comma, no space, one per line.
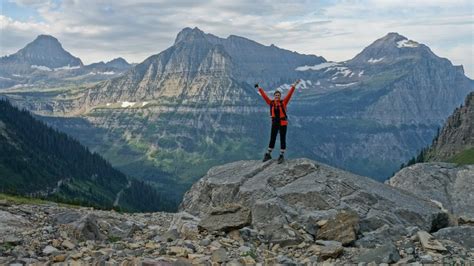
(290,93)
(264,95)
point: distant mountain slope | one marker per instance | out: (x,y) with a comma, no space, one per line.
(455,141)
(36,160)
(44,53)
(45,63)
(456,138)
(394,81)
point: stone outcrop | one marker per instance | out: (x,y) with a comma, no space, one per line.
(303,199)
(445,183)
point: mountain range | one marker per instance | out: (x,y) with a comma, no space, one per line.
(44,62)
(171,117)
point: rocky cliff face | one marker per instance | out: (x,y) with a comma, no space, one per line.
(457,134)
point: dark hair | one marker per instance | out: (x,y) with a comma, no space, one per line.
(277,92)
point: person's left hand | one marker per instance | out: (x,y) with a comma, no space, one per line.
(296,83)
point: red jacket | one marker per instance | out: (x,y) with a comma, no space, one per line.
(272,103)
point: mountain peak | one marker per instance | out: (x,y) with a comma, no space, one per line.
(47,51)
(46,37)
(188,33)
(43,41)
(118,62)
(390,47)
(393,35)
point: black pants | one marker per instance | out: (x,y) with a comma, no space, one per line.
(276,127)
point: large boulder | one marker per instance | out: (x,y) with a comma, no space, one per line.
(386,253)
(226,218)
(11,226)
(446,183)
(342,227)
(301,197)
(79,226)
(463,235)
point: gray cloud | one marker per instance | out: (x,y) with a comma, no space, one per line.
(136,29)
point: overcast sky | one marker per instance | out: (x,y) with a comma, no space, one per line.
(100,30)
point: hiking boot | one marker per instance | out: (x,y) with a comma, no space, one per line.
(281,159)
(267,157)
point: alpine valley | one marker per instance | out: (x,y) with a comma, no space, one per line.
(173,116)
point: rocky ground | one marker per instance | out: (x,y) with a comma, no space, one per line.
(246,213)
(43,234)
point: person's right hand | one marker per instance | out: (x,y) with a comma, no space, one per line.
(256,85)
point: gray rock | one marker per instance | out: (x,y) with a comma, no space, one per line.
(4,203)
(11,239)
(342,227)
(186,225)
(68,244)
(122,229)
(11,225)
(426,258)
(387,253)
(380,236)
(277,195)
(219,255)
(66,217)
(49,250)
(244,249)
(463,235)
(327,249)
(205,242)
(428,242)
(86,228)
(171,235)
(285,260)
(446,183)
(226,218)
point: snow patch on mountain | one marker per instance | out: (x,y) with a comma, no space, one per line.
(340,71)
(346,84)
(316,67)
(102,73)
(407,44)
(43,68)
(128,104)
(68,67)
(373,61)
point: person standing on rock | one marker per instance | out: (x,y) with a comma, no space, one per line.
(279,120)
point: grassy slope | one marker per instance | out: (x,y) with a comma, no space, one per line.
(464,157)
